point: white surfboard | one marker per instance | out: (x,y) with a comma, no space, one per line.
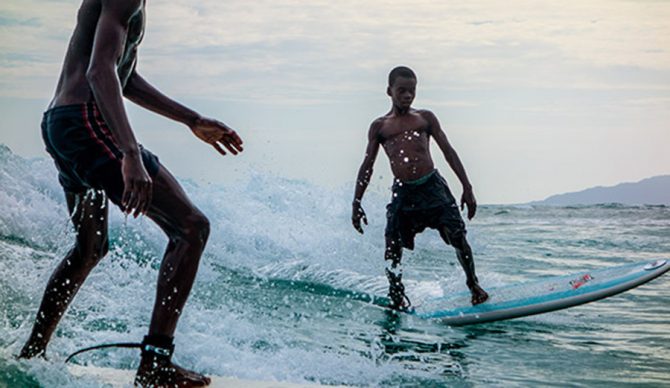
(550,294)
(117,378)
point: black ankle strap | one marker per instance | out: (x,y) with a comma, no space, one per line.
(158,345)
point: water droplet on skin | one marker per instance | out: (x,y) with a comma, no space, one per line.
(406,159)
(415,133)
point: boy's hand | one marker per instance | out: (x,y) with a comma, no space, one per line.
(357,213)
(468,198)
(216,134)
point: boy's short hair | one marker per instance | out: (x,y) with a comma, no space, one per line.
(400,71)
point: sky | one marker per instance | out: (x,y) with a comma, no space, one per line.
(537,97)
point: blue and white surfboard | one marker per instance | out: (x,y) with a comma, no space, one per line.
(550,294)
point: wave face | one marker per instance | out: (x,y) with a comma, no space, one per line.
(284,290)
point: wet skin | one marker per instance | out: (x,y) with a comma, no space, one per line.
(100,66)
(405,133)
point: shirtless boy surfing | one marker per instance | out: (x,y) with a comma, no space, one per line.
(421,197)
(87,132)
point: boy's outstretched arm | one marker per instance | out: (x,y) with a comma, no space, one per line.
(364,175)
(468,197)
(212,132)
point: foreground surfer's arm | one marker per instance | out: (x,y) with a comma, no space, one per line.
(364,175)
(212,132)
(142,93)
(110,36)
(454,161)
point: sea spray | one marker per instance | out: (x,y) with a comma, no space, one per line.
(285,286)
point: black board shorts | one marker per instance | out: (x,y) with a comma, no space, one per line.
(421,204)
(85,152)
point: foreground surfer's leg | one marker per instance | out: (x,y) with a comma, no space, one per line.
(89,217)
(187,229)
(464,254)
(399,301)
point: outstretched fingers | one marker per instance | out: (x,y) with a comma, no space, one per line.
(236,140)
(230,141)
(229,146)
(218,148)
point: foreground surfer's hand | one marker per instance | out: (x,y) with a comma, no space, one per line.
(357,213)
(217,134)
(137,185)
(468,198)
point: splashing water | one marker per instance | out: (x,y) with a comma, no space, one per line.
(285,286)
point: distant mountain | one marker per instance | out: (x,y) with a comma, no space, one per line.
(650,191)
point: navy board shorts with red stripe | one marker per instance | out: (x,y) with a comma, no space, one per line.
(85,152)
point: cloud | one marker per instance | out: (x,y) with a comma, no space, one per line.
(295,49)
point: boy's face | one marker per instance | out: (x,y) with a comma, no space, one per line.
(402,92)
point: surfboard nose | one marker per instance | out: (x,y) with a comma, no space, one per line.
(655,264)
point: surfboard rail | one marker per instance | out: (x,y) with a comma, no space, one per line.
(564,292)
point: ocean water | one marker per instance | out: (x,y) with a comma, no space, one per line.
(278,294)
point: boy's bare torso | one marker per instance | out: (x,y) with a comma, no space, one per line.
(73,87)
(406,141)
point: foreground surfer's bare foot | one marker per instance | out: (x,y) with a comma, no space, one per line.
(166,374)
(478,295)
(157,370)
